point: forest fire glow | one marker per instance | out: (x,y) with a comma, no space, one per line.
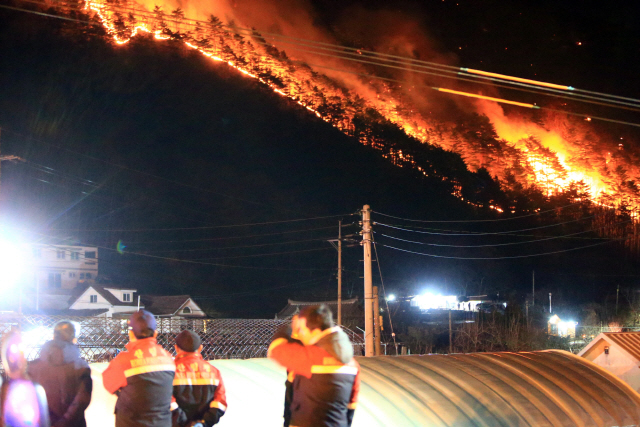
(554,156)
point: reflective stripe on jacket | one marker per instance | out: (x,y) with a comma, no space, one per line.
(143,375)
(198,389)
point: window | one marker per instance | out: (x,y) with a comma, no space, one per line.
(37,253)
(81,275)
(186,310)
(93,299)
(91,255)
(55,280)
(126,297)
(72,274)
(60,254)
(75,255)
(87,276)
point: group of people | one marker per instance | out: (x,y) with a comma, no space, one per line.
(156,390)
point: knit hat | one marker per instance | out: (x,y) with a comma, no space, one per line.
(141,321)
(188,341)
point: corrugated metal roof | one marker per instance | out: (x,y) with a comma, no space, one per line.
(547,388)
(628,341)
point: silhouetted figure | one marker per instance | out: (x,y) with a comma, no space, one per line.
(65,377)
(23,403)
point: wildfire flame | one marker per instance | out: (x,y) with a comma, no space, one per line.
(551,158)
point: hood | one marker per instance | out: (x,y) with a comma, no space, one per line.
(337,344)
(58,352)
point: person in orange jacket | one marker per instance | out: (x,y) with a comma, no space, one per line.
(198,387)
(327,377)
(142,377)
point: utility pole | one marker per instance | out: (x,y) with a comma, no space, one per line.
(376,319)
(617,294)
(450,335)
(533,289)
(340,272)
(368,282)
(526,311)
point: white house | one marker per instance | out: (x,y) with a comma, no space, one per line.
(117,301)
(62,266)
(618,353)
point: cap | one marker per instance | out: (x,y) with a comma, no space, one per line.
(140,321)
(188,341)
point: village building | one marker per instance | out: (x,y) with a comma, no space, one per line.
(618,353)
(352,311)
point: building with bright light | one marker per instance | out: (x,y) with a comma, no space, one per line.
(561,328)
(62,266)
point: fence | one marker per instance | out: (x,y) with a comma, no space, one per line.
(100,339)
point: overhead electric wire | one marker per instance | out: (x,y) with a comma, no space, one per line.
(265,254)
(384,293)
(505,244)
(229,295)
(506,257)
(289,242)
(413,63)
(473,233)
(477,220)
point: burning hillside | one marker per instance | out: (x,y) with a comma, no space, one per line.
(543,150)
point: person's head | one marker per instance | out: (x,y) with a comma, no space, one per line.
(13,360)
(64,331)
(142,325)
(312,321)
(188,342)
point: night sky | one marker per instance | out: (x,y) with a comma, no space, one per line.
(164,150)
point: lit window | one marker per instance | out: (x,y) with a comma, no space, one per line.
(126,297)
(91,254)
(93,298)
(186,310)
(75,255)
(60,254)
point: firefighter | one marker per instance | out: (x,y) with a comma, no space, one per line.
(288,384)
(23,403)
(327,377)
(197,388)
(65,376)
(141,377)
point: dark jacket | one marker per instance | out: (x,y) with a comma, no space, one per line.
(198,390)
(66,379)
(327,379)
(142,376)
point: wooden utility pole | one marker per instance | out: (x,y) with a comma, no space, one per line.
(376,319)
(368,282)
(533,288)
(450,335)
(340,272)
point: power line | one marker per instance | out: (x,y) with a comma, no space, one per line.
(289,242)
(477,220)
(504,244)
(473,234)
(506,257)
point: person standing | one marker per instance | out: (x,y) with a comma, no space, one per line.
(65,377)
(23,403)
(198,387)
(327,377)
(141,377)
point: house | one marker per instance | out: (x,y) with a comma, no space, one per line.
(173,306)
(113,301)
(352,311)
(559,328)
(618,353)
(62,266)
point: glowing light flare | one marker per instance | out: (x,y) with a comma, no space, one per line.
(488,98)
(429,301)
(12,263)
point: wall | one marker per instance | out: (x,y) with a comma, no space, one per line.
(68,268)
(618,362)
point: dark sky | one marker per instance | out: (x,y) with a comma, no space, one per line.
(150,137)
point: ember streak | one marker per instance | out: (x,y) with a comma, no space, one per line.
(554,153)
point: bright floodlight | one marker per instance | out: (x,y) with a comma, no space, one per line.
(12,263)
(391,297)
